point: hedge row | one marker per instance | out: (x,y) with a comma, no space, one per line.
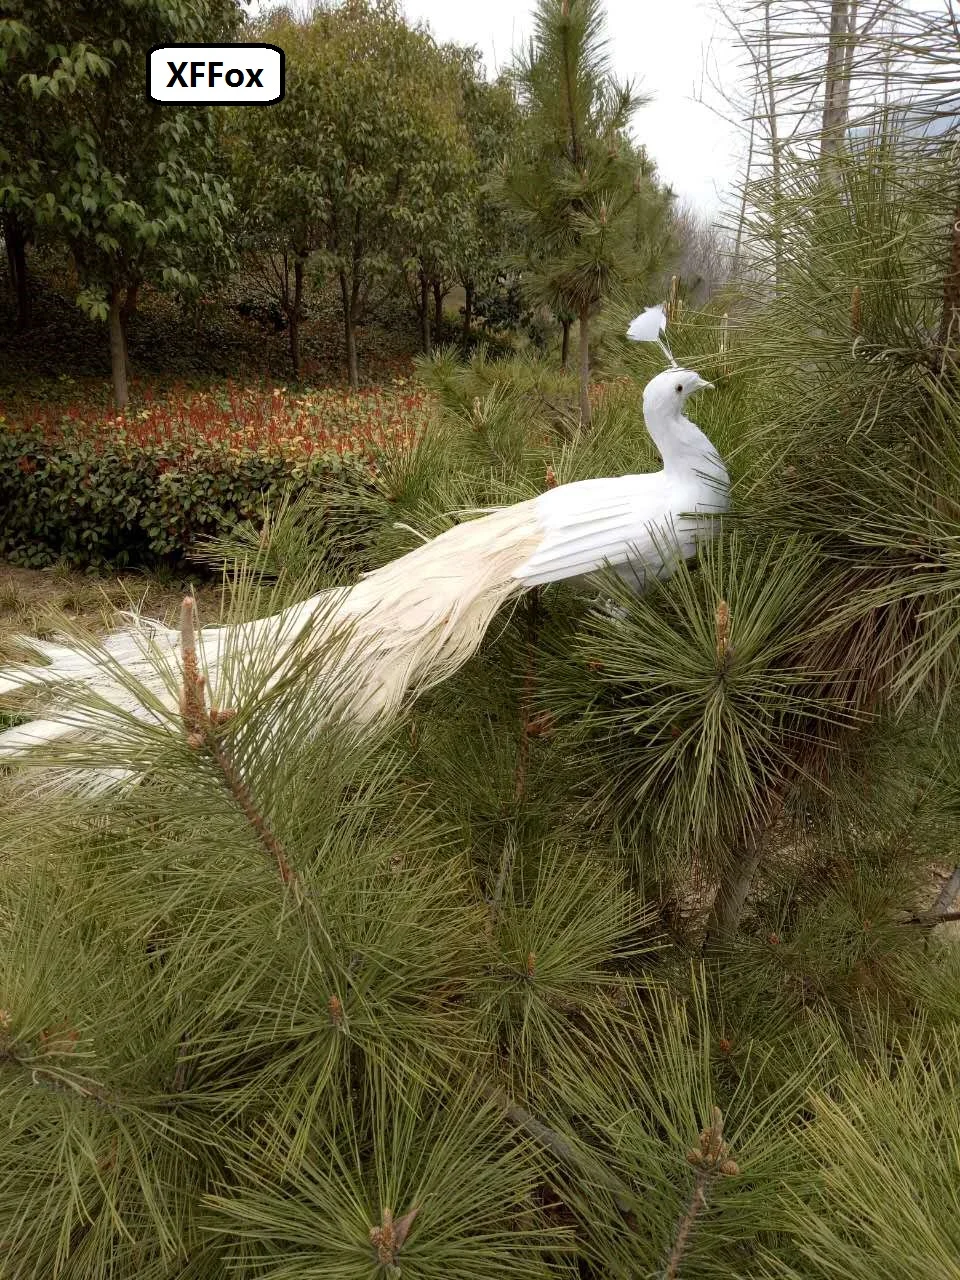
(93,502)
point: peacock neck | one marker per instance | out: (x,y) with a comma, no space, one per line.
(685,450)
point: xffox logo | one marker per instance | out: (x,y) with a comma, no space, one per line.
(216,74)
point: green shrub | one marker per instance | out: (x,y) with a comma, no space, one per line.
(91,502)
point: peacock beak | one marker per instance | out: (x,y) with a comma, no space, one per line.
(703,385)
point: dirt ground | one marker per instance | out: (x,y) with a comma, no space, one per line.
(37,602)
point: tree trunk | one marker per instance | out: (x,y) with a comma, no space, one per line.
(17,261)
(118,351)
(438,296)
(732,892)
(585,415)
(129,307)
(773,129)
(565,345)
(741,219)
(948,893)
(294,316)
(425,314)
(837,73)
(467,312)
(951,287)
(8,242)
(349,332)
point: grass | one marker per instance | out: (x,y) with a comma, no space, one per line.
(37,602)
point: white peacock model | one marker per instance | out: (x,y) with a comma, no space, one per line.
(409,625)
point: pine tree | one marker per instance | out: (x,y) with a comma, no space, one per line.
(577,182)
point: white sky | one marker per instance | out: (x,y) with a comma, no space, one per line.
(664,47)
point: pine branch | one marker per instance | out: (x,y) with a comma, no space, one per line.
(732,893)
(940,912)
(55,1043)
(932,919)
(948,894)
(710,1161)
(506,866)
(737,880)
(202,725)
(624,1198)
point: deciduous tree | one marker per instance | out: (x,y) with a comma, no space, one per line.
(129,185)
(367,144)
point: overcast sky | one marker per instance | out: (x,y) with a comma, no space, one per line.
(663,46)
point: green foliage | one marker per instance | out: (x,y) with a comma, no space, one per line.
(492,120)
(591,216)
(701,693)
(373,161)
(422,1003)
(132,187)
(880,1137)
(584,195)
(855,412)
(90,502)
(418,1145)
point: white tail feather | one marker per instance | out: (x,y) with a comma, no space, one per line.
(400,630)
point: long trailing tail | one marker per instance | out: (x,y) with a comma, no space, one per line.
(400,630)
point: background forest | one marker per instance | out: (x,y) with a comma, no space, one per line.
(628,951)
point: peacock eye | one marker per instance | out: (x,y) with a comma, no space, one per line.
(679,387)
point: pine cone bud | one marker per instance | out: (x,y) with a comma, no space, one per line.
(551,478)
(61,1039)
(723,629)
(674,297)
(336,1010)
(730,1168)
(531,963)
(540,725)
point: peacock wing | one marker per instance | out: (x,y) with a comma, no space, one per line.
(593,523)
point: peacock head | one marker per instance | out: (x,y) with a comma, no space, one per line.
(665,395)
